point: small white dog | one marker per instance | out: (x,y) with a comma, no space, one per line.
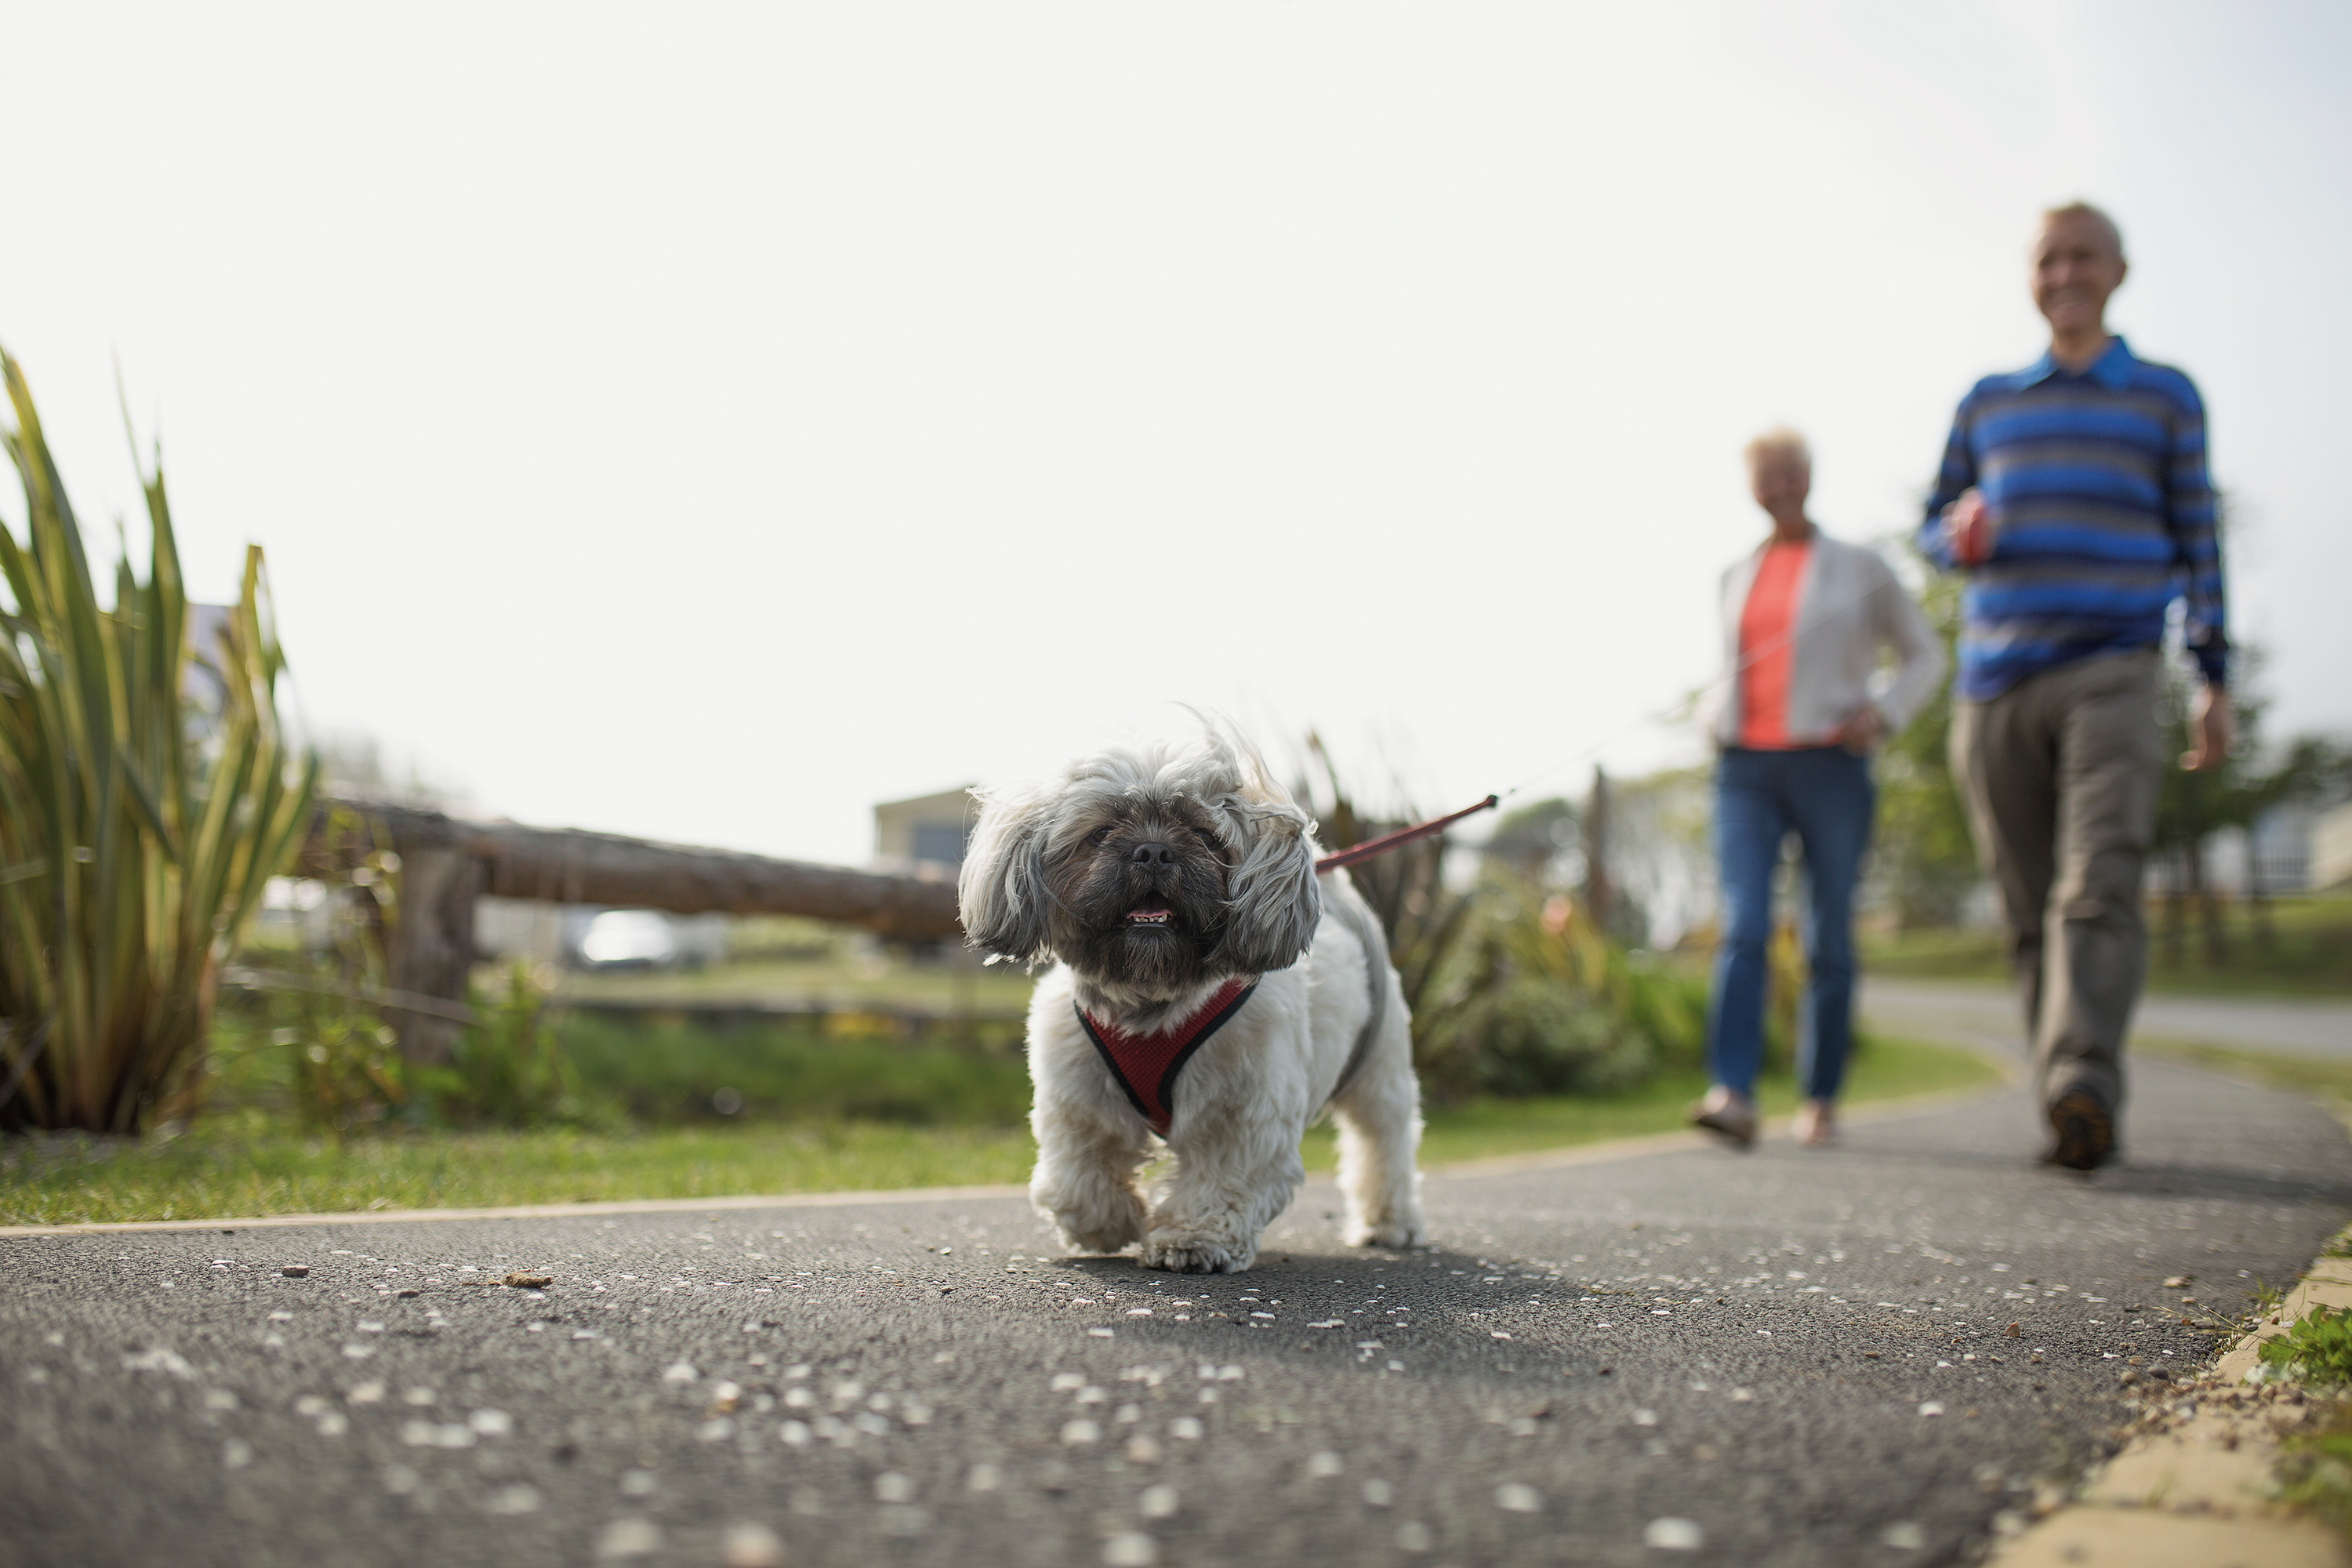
(1199,995)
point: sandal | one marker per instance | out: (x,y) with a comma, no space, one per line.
(1728,1115)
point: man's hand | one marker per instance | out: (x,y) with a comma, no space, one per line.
(1969,528)
(2211,732)
(1862,733)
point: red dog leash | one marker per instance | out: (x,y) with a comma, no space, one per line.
(1401,837)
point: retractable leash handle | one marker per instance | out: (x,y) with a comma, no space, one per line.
(1401,837)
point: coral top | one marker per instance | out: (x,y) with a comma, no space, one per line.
(1768,644)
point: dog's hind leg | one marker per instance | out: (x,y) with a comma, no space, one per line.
(1380,1134)
(1085,1180)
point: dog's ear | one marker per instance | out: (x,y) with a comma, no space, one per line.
(1273,903)
(1002,889)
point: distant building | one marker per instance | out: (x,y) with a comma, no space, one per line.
(2331,847)
(925,835)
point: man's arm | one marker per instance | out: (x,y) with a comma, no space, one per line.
(2189,514)
(1955,478)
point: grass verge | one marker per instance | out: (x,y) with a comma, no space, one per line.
(222,1170)
(1885,1070)
(250,1164)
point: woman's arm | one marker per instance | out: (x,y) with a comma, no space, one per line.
(1903,628)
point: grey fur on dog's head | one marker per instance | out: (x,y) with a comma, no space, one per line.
(1052,869)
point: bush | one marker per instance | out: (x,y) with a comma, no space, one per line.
(301,1042)
(1535,1000)
(1534,1035)
(147,794)
(1513,990)
(344,1071)
(507,1068)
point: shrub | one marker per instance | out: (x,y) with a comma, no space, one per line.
(344,1070)
(147,794)
(1534,1034)
(1536,1000)
(506,1068)
(1512,989)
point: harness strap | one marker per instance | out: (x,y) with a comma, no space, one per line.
(1146,1066)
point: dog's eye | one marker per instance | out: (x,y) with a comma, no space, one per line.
(1098,838)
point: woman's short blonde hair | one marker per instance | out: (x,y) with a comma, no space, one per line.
(1778,440)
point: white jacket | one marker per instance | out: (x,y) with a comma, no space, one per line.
(1850,607)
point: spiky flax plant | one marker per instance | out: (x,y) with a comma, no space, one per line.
(148,792)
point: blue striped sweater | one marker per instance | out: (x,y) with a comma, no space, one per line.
(2097,482)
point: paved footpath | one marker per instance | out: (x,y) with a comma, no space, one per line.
(2293,1025)
(1789,1357)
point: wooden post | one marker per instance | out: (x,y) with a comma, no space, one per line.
(429,951)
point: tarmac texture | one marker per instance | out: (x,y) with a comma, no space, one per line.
(1862,1355)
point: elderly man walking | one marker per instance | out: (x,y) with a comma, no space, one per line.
(2073,495)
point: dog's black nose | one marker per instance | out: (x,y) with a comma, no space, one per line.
(1153,854)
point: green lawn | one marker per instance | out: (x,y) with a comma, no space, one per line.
(1883,1069)
(250,1163)
(2302,948)
(258,1167)
(838,982)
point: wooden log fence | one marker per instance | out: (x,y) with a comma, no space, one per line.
(447,862)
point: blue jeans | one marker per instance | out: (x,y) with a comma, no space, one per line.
(1825,795)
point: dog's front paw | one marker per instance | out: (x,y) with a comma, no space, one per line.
(1101,1238)
(1189,1252)
(1392,1232)
(1095,1213)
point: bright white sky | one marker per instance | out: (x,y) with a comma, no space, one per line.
(703,422)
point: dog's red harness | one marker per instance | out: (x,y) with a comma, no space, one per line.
(1146,1065)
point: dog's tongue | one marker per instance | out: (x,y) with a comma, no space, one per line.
(1147,915)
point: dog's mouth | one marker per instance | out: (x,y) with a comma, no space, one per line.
(1148,917)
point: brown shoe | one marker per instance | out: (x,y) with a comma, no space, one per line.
(2082,1134)
(1727,1115)
(1816,1125)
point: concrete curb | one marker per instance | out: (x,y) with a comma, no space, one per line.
(2193,1489)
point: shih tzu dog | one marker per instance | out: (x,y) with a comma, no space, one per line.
(1201,997)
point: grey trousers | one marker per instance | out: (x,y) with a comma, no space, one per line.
(2060,775)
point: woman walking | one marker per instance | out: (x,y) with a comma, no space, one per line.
(1797,715)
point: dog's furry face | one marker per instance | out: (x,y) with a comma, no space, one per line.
(1139,894)
(1148,870)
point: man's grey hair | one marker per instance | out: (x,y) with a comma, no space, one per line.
(2085,210)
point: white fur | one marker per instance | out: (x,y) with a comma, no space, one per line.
(1245,1097)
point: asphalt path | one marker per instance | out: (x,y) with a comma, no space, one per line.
(1788,1357)
(2306,1026)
